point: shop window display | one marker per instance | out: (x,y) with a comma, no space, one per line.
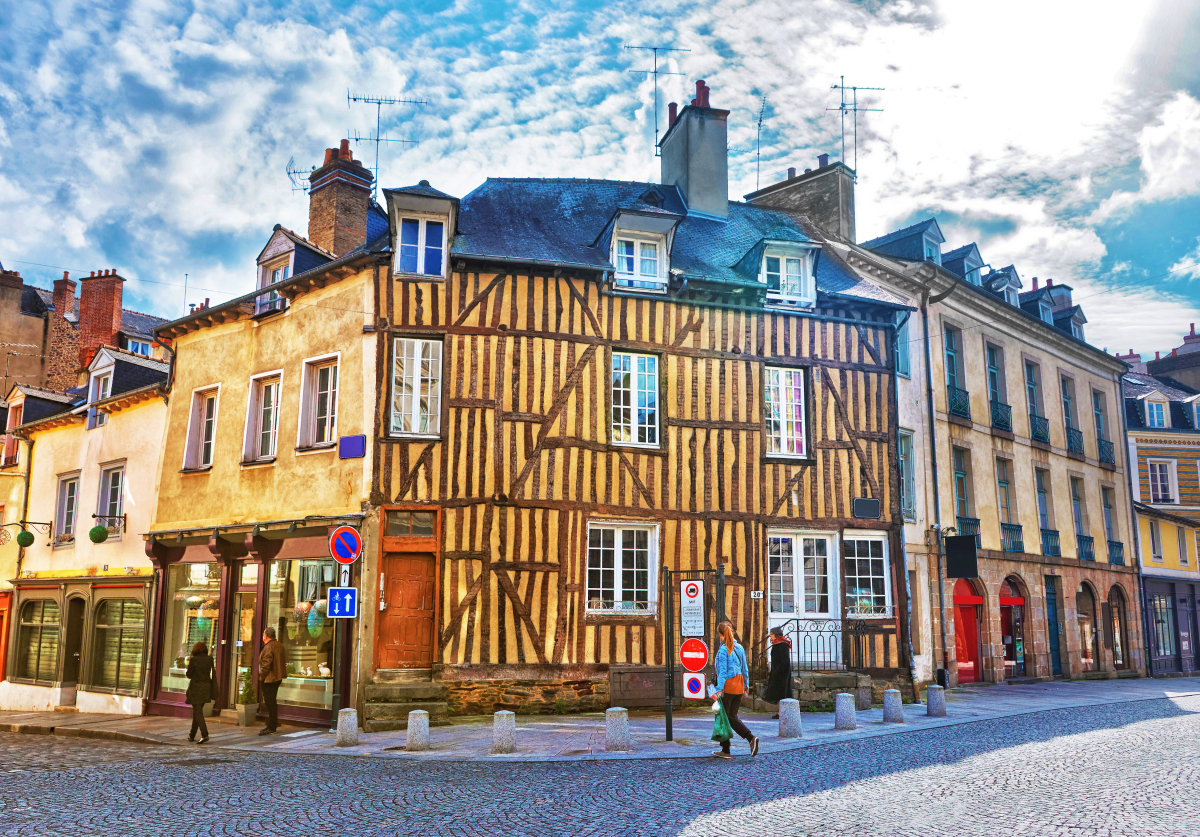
(296,608)
(192,615)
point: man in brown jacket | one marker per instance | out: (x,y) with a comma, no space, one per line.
(272,668)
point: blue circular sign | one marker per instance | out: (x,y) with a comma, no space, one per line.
(693,685)
(345,545)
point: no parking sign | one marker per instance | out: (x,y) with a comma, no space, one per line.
(693,684)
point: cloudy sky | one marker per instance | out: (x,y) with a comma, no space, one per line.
(1063,137)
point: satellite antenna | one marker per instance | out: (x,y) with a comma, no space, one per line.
(299,184)
(656,73)
(762,109)
(378,102)
(851,107)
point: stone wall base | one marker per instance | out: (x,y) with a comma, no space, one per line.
(526,690)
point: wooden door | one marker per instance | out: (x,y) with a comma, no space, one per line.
(405,634)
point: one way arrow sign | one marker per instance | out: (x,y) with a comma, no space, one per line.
(343,603)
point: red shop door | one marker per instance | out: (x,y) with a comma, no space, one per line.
(966,632)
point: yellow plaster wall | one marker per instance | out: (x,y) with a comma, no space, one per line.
(12,496)
(1170,546)
(297,483)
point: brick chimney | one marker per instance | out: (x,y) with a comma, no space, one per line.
(338,199)
(11,279)
(695,155)
(64,296)
(99,313)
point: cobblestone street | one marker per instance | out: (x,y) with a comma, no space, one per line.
(1118,769)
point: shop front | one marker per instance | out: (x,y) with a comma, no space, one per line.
(1171,612)
(224,592)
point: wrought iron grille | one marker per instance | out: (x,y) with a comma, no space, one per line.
(1014,540)
(1074,440)
(1116,553)
(1087,547)
(1001,416)
(960,402)
(1050,545)
(1039,428)
(969,526)
(1108,452)
(825,644)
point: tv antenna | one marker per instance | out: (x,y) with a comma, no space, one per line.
(762,109)
(656,73)
(379,102)
(299,184)
(851,107)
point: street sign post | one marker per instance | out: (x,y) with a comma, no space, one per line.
(691,608)
(343,603)
(693,685)
(693,654)
(345,544)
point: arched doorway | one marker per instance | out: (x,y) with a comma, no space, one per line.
(1085,614)
(1012,628)
(1116,607)
(967,605)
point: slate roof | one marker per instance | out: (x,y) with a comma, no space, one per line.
(423,189)
(1030,296)
(46,394)
(919,228)
(137,360)
(568,222)
(377,222)
(958,252)
(1136,385)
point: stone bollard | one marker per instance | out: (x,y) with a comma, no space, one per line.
(347,728)
(935,700)
(504,732)
(862,698)
(843,717)
(616,730)
(418,731)
(789,719)
(893,707)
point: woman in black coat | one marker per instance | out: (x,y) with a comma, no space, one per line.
(779,686)
(200,691)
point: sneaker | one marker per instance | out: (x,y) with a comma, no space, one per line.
(203,740)
(265,731)
(754,746)
(721,754)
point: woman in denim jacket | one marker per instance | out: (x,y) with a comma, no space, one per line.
(733,676)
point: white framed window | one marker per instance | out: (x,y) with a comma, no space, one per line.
(112,500)
(784,392)
(908,488)
(11,451)
(933,253)
(903,357)
(139,347)
(622,570)
(272,301)
(788,276)
(640,261)
(1156,550)
(421,245)
(202,429)
(319,402)
(262,419)
(1182,540)
(634,399)
(1162,481)
(868,582)
(1156,414)
(801,575)
(416,387)
(66,520)
(101,388)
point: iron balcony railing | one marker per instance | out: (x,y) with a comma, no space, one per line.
(1001,416)
(1116,553)
(1039,428)
(1050,544)
(1108,452)
(960,402)
(969,526)
(1014,540)
(832,644)
(1074,440)
(1087,547)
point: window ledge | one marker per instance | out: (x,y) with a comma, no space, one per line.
(611,617)
(402,437)
(634,446)
(254,463)
(793,459)
(203,470)
(426,277)
(267,314)
(328,446)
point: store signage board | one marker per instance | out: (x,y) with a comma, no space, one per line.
(691,608)
(345,544)
(693,654)
(343,603)
(693,685)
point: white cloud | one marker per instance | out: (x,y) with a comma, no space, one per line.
(1188,267)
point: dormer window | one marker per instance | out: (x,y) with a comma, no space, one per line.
(100,389)
(974,276)
(1045,313)
(933,252)
(640,261)
(1010,296)
(788,277)
(139,347)
(1156,414)
(1076,329)
(422,246)
(273,274)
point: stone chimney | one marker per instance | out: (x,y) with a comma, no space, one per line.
(825,195)
(1134,360)
(64,296)
(11,279)
(695,155)
(99,313)
(339,194)
(1191,342)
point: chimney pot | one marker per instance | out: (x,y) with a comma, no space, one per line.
(344,150)
(1156,355)
(672,113)
(791,172)
(65,277)
(701,93)
(806,171)
(1049,283)
(822,160)
(1035,283)
(1193,334)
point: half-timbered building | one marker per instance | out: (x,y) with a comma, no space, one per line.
(582,382)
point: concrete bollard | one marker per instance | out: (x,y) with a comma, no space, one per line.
(935,700)
(616,730)
(504,732)
(843,717)
(893,707)
(862,698)
(347,728)
(418,731)
(789,719)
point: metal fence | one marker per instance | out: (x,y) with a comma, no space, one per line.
(825,644)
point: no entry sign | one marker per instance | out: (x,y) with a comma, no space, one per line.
(693,654)
(345,544)
(691,608)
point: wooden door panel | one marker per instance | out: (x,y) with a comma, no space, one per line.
(405,636)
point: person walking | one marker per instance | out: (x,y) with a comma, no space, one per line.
(733,677)
(200,689)
(779,685)
(272,668)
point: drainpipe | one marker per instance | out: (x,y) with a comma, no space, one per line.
(25,502)
(1136,557)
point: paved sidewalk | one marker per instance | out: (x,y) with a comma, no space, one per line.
(581,737)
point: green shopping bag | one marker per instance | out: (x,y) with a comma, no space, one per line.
(722,732)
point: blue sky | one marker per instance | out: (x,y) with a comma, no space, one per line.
(153,136)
